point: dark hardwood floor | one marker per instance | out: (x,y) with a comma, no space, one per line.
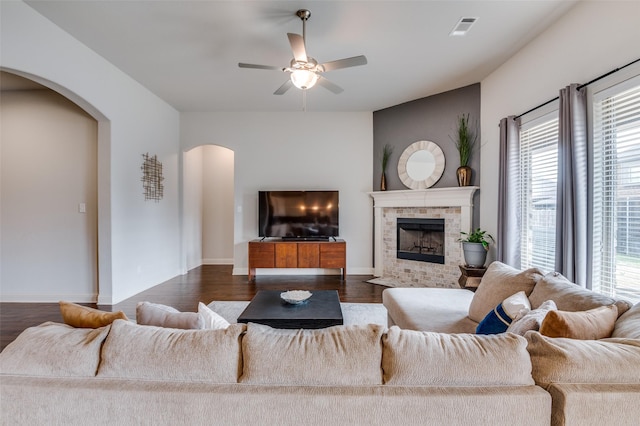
(203,284)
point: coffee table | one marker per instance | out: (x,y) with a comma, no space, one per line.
(321,310)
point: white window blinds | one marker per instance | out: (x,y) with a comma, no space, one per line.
(538,188)
(616,191)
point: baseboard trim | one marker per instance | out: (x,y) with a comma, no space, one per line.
(306,271)
(217,261)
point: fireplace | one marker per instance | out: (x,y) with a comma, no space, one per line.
(420,240)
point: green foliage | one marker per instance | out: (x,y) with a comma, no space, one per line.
(465,140)
(387,150)
(477,236)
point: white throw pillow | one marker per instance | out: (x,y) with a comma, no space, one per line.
(211,320)
(532,320)
(158,315)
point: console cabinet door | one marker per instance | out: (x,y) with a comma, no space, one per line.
(286,255)
(333,255)
(308,255)
(261,255)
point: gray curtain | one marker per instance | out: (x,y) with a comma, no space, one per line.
(571,206)
(508,237)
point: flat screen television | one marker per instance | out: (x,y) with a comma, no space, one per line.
(292,215)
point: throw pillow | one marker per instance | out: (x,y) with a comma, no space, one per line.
(571,297)
(84,317)
(211,320)
(148,313)
(593,324)
(498,320)
(628,324)
(499,282)
(532,320)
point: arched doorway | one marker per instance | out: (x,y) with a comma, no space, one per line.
(49,195)
(208,206)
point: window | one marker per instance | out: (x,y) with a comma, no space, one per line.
(616,191)
(538,188)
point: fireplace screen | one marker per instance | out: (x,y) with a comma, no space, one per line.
(421,240)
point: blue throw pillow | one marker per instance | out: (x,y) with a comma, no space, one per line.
(496,321)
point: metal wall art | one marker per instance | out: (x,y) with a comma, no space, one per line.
(152,178)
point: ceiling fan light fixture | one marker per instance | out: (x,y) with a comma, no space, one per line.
(304,79)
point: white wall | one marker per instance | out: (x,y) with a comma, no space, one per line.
(139,241)
(218,211)
(591,39)
(49,158)
(192,207)
(295,151)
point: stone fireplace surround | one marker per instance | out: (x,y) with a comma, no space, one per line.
(455,205)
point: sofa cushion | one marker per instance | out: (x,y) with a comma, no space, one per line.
(334,356)
(628,324)
(147,352)
(561,360)
(54,350)
(499,282)
(443,310)
(499,319)
(595,323)
(422,358)
(532,320)
(148,313)
(85,317)
(571,297)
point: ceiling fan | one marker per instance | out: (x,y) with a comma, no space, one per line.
(304,70)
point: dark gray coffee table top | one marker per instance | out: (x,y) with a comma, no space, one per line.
(321,310)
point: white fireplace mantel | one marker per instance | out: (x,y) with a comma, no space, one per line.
(437,197)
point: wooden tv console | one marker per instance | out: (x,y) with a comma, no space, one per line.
(297,254)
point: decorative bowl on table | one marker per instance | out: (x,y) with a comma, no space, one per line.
(295,297)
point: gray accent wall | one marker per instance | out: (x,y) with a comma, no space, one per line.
(434,119)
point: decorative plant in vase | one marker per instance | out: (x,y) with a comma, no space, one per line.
(465,141)
(387,150)
(475,245)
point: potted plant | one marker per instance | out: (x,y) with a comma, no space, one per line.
(387,150)
(475,245)
(465,141)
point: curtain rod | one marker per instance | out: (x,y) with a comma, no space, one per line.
(580,87)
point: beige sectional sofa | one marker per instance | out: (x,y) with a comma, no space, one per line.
(592,382)
(252,374)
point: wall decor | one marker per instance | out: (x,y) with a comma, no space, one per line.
(421,165)
(152,178)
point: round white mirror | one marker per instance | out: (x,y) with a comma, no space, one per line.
(421,165)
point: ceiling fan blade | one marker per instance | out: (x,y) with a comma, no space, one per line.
(329,85)
(259,67)
(297,46)
(345,63)
(286,86)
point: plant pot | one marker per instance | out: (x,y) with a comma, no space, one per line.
(464,175)
(383,182)
(475,255)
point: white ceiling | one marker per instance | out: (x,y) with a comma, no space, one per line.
(187,52)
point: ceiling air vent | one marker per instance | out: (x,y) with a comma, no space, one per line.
(463,26)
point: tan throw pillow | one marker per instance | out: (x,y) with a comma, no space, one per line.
(84,317)
(499,282)
(145,352)
(628,324)
(422,358)
(571,297)
(347,355)
(54,350)
(148,313)
(558,360)
(532,320)
(593,324)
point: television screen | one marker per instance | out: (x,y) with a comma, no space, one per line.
(298,214)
